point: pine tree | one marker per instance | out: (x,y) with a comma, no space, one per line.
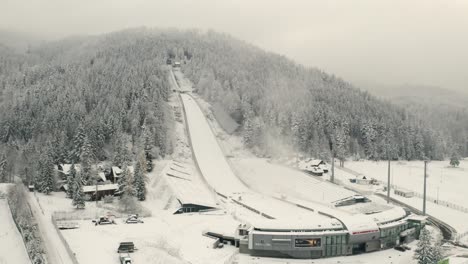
(423,253)
(78,141)
(454,158)
(140,179)
(70,181)
(437,252)
(45,181)
(148,146)
(126,182)
(87,159)
(122,155)
(3,169)
(78,194)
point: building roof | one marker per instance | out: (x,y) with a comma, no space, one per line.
(102,176)
(316,162)
(100,187)
(67,167)
(116,171)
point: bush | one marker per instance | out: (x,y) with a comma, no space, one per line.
(129,205)
(87,197)
(108,199)
(26,223)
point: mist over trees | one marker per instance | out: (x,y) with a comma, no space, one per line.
(315,112)
(88,99)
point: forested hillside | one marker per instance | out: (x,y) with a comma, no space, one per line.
(82,100)
(443,109)
(91,98)
(274,98)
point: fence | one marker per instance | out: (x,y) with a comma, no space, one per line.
(64,241)
(419,195)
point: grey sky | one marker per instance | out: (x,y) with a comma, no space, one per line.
(391,42)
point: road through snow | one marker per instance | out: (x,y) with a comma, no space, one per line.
(55,249)
(12,249)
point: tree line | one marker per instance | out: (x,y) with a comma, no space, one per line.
(87,99)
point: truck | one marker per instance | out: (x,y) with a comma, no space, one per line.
(126,247)
(125,259)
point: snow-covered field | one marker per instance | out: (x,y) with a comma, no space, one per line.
(166,238)
(12,249)
(445,182)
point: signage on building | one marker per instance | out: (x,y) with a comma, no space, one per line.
(308,242)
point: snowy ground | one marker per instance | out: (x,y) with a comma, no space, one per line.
(450,182)
(12,249)
(444,182)
(166,238)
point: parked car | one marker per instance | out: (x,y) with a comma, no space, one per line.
(126,247)
(133,219)
(104,220)
(400,248)
(125,259)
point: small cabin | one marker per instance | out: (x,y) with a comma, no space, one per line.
(96,192)
(176,64)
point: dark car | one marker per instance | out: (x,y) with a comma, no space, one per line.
(400,248)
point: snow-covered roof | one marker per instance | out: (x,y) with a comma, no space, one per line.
(101,187)
(102,176)
(67,167)
(316,162)
(116,171)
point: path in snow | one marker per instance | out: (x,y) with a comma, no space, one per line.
(55,249)
(12,249)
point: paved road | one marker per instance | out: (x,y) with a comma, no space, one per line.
(55,249)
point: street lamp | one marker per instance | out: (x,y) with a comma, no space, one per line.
(425,180)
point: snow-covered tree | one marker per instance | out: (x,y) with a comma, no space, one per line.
(126,182)
(78,140)
(3,168)
(45,180)
(454,159)
(122,154)
(71,181)
(87,159)
(78,194)
(424,251)
(140,179)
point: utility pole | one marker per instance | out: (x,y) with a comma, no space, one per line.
(332,179)
(424,194)
(388,183)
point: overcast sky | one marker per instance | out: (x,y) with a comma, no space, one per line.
(388,42)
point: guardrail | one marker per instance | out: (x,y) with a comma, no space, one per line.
(448,232)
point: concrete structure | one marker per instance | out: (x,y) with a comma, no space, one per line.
(190,193)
